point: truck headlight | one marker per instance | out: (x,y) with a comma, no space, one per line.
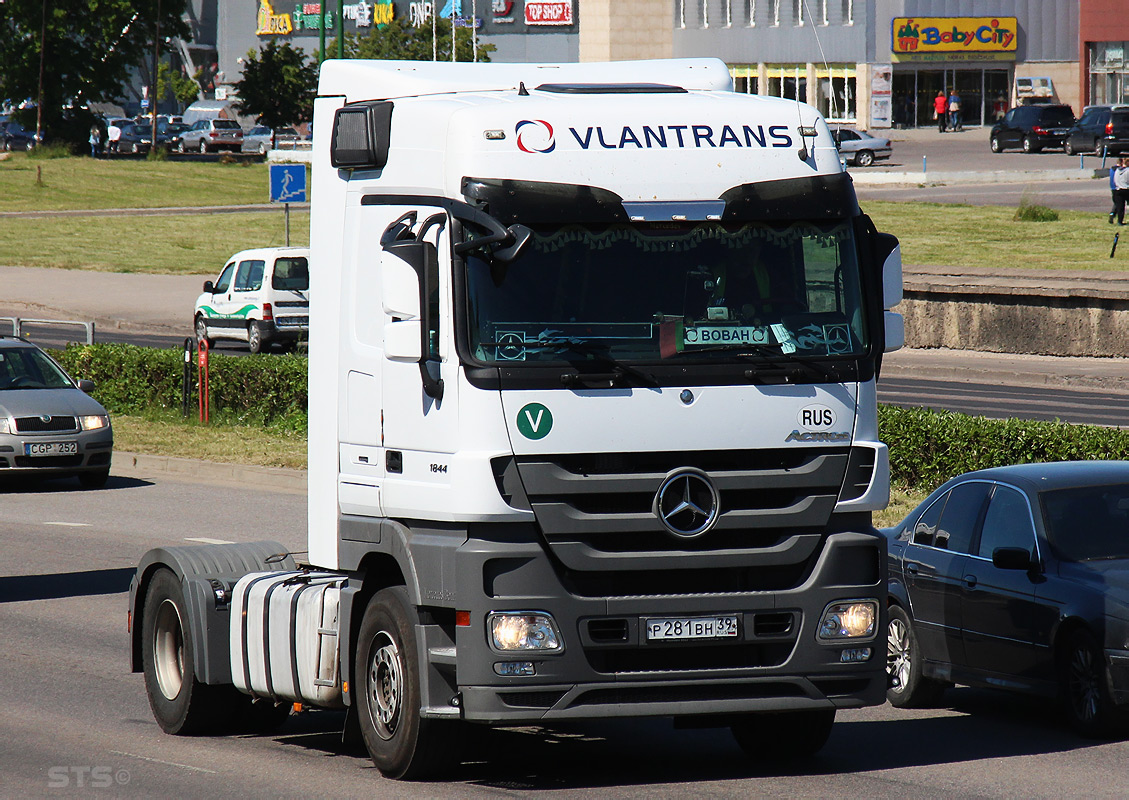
(511,631)
(849,619)
(93,422)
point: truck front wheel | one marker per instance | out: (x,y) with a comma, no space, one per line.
(784,735)
(181,704)
(402,744)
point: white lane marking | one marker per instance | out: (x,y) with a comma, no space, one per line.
(203,540)
(71,524)
(166,763)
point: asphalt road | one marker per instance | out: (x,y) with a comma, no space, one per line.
(75,723)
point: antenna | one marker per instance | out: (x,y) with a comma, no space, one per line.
(822,55)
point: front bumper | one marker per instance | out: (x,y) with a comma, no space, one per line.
(608,669)
(95,449)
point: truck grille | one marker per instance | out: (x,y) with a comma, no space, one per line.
(596,510)
(37,425)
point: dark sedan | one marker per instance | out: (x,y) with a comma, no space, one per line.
(136,139)
(16,137)
(1017,578)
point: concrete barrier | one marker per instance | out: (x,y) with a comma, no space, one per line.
(1039,312)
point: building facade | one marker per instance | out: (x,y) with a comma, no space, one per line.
(874,63)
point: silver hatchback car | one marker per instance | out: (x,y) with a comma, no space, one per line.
(49,425)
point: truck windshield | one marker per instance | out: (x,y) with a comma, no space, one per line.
(658,291)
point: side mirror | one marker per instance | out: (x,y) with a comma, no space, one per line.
(894,325)
(1012,558)
(399,286)
(86,385)
(891,270)
(209,287)
(402,340)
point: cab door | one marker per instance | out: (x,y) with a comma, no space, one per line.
(420,424)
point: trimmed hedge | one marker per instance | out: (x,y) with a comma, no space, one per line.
(132,380)
(928,447)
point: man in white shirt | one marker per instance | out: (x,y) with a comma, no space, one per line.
(113,133)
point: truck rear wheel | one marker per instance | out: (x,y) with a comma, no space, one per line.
(785,735)
(401,743)
(181,704)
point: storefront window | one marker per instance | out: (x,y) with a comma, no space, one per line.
(1109,72)
(837,95)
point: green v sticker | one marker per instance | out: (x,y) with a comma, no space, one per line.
(534,421)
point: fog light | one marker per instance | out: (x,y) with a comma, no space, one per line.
(524,631)
(851,619)
(854,655)
(510,669)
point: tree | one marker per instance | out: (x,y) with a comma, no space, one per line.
(174,82)
(398,40)
(278,85)
(89,48)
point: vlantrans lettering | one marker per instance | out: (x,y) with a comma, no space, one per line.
(682,136)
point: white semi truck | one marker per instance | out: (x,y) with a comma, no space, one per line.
(592,423)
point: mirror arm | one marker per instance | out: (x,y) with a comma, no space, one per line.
(432,387)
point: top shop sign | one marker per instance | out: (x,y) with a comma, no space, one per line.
(548,12)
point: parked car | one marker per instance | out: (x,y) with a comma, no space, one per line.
(134,139)
(860,148)
(168,133)
(261,297)
(49,424)
(1116,139)
(1091,129)
(1017,578)
(16,136)
(258,139)
(1032,128)
(208,135)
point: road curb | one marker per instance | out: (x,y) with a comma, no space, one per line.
(970,177)
(272,478)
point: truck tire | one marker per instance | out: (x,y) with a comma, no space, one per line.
(785,735)
(908,687)
(401,743)
(181,704)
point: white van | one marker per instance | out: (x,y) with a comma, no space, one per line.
(261,297)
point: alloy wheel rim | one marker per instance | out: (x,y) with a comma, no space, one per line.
(898,655)
(1084,691)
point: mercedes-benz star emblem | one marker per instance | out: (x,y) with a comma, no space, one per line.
(687,503)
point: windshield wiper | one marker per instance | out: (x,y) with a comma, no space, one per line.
(599,352)
(768,350)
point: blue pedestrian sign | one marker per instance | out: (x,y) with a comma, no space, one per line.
(288,183)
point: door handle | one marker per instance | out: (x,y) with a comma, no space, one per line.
(911,568)
(970,581)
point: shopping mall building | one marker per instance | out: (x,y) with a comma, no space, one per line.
(875,63)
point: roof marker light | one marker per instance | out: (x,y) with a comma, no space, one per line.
(494,134)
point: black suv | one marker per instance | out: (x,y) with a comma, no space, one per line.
(1116,139)
(1032,128)
(1090,131)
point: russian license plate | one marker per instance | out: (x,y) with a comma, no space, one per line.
(51,448)
(676,628)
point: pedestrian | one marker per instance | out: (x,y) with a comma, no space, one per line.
(95,141)
(1121,195)
(1113,190)
(113,133)
(939,107)
(954,111)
